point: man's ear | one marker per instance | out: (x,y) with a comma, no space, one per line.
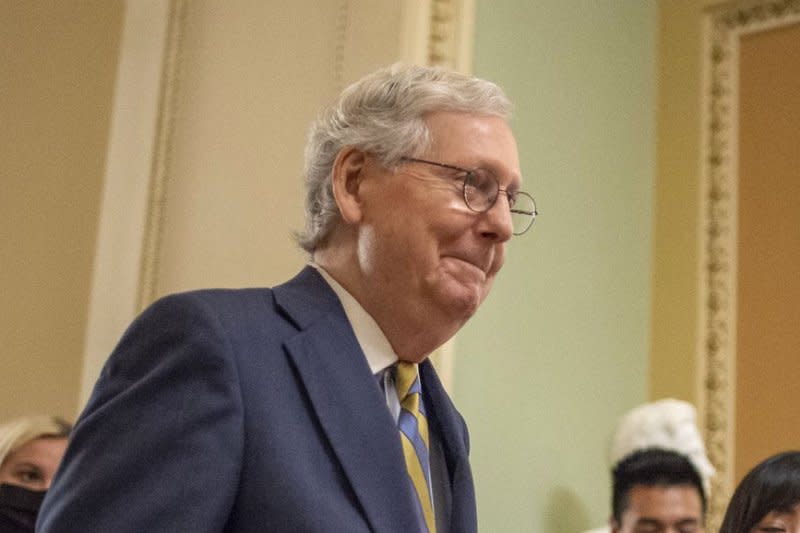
(346,176)
(613,525)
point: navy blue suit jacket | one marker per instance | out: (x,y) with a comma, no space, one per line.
(247,410)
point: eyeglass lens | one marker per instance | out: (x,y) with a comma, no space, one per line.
(480,194)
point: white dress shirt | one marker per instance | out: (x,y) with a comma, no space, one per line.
(373,342)
(381,358)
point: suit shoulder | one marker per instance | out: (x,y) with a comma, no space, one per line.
(215,295)
(221,301)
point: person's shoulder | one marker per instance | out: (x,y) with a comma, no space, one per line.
(214,297)
(207,306)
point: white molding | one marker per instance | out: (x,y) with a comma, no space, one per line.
(465,36)
(161,154)
(451,34)
(414,31)
(115,280)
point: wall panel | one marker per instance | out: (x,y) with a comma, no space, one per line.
(768,344)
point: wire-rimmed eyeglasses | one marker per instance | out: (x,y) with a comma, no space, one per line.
(480,190)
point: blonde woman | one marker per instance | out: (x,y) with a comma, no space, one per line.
(31,449)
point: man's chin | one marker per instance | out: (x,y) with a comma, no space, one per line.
(462,302)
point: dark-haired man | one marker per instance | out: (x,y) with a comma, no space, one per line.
(657,491)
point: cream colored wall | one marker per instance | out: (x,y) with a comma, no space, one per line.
(57,68)
(251,81)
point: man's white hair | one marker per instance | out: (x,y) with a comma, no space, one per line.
(383,114)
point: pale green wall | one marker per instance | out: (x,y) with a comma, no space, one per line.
(559,350)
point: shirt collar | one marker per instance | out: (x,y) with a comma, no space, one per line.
(369,335)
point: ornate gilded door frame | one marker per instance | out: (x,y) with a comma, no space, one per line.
(724,26)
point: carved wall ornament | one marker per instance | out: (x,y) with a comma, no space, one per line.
(442,35)
(450,34)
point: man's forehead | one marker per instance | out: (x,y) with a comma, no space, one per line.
(665,503)
(478,139)
(441,122)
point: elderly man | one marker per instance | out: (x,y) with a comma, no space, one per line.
(312,406)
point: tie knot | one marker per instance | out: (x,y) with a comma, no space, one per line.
(406,379)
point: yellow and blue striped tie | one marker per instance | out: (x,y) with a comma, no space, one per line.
(414,435)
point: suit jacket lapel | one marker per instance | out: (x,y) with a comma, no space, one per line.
(448,421)
(455,440)
(348,401)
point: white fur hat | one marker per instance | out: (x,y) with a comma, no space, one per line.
(668,424)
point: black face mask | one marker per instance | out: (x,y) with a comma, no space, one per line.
(18,508)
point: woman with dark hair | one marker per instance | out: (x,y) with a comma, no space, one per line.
(768,498)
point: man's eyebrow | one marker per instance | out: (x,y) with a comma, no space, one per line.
(655,522)
(649,522)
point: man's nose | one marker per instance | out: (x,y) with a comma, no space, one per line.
(496,222)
